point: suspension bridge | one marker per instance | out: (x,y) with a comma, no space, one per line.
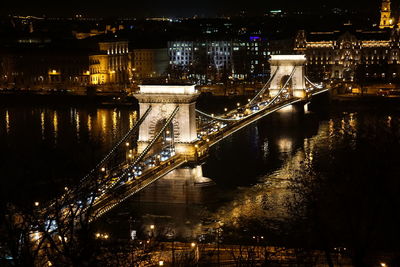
(171,132)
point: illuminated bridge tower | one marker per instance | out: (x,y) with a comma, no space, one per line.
(164,99)
(284,66)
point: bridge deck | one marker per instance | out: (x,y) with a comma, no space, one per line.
(122,192)
(225,132)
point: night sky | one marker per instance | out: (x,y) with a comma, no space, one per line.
(185,8)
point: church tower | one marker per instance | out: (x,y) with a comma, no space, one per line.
(386,15)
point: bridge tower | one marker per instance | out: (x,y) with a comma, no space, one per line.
(284,66)
(164,99)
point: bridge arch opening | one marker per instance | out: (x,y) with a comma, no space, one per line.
(289,86)
(167,136)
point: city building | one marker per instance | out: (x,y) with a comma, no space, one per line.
(43,67)
(353,55)
(387,20)
(345,55)
(111,65)
(149,63)
(207,61)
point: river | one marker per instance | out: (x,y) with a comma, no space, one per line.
(260,182)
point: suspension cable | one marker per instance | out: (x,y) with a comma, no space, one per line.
(265,86)
(109,154)
(312,84)
(149,146)
(245,117)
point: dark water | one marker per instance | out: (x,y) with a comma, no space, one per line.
(264,177)
(45,149)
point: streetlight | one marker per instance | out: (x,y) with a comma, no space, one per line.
(36,204)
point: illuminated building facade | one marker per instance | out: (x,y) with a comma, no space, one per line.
(98,68)
(353,55)
(350,56)
(215,60)
(386,15)
(112,65)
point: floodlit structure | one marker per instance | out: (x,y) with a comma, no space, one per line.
(288,69)
(164,100)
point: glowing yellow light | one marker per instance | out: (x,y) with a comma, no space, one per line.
(193,244)
(161,263)
(127,143)
(152,227)
(36,204)
(103,169)
(7,121)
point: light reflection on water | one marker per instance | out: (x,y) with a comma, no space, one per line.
(252,172)
(271,195)
(42,144)
(55,126)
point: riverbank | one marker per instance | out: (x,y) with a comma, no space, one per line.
(206,101)
(364,102)
(66,99)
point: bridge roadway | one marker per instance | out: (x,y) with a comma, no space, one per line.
(216,137)
(120,193)
(123,191)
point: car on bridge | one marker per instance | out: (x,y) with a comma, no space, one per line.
(255,108)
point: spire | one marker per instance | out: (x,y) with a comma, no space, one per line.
(386,15)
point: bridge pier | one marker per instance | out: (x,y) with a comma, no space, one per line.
(320,102)
(299,107)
